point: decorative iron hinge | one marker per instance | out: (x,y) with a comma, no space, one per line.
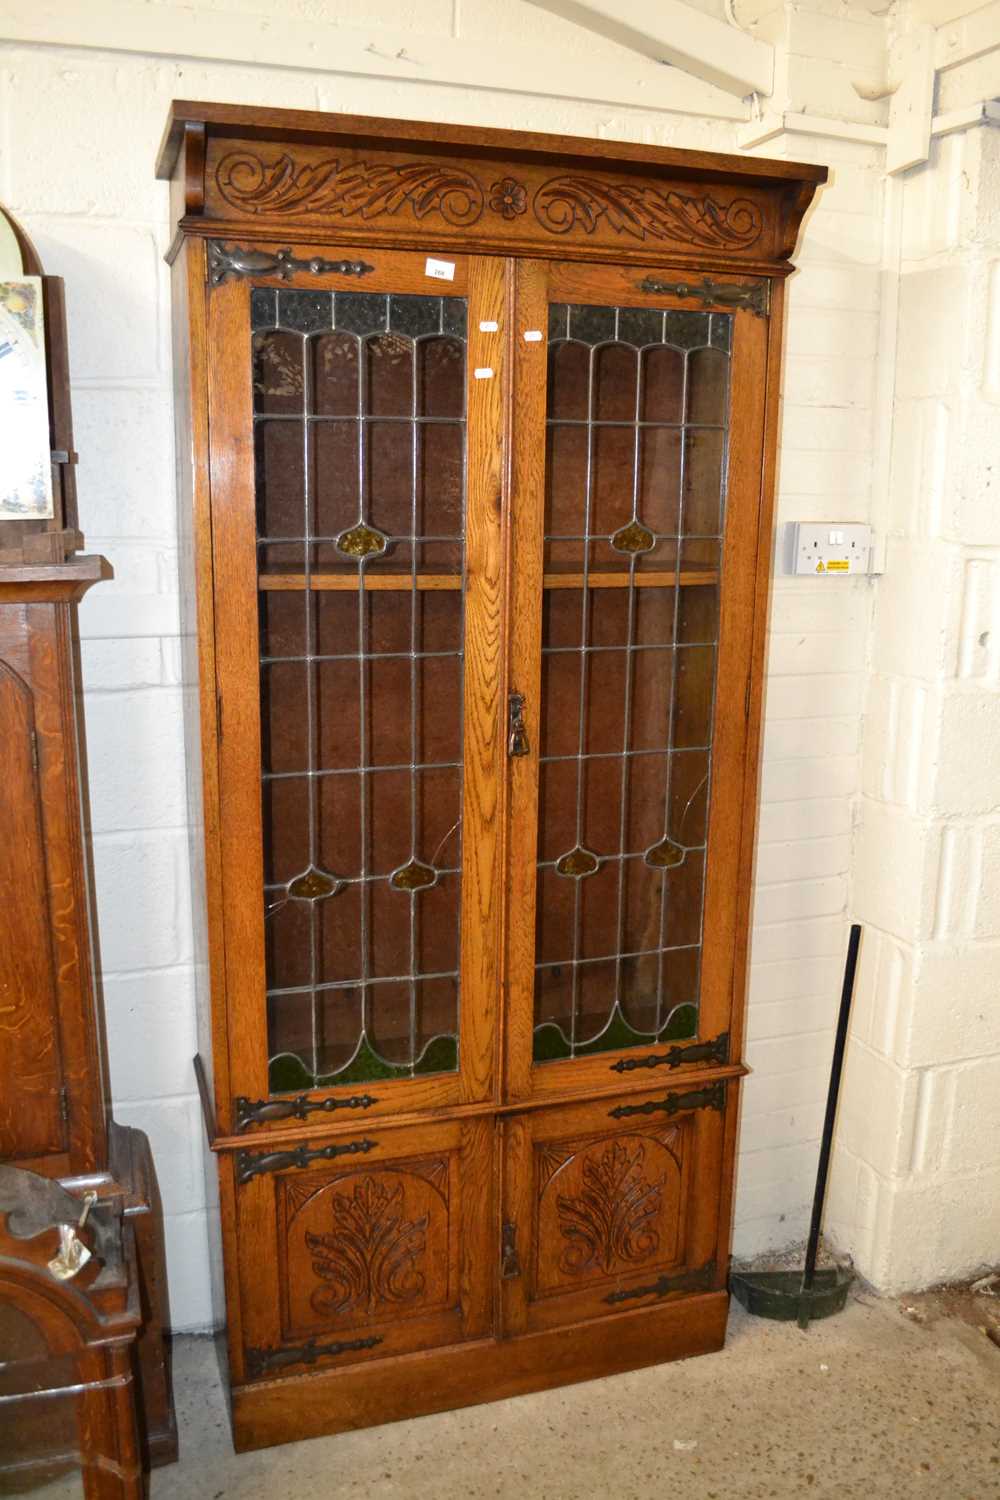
(712,1097)
(64,1104)
(263,1111)
(756,297)
(517,735)
(259,1360)
(510,1262)
(250,1164)
(715,1051)
(238,260)
(687,1281)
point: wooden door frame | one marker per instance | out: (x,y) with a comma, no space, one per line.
(482,280)
(748,485)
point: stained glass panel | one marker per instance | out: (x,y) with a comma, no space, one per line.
(359,405)
(638,409)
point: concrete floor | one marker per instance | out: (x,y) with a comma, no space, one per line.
(874,1403)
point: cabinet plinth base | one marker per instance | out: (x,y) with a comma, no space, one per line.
(414,1385)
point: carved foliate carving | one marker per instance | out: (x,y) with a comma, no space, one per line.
(372,1255)
(368,190)
(565,203)
(362,190)
(610,1224)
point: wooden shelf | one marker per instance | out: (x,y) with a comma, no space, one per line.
(404,582)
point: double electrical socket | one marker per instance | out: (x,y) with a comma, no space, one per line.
(827,548)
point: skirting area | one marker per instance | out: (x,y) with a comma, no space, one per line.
(870,1404)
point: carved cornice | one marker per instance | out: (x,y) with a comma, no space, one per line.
(559,206)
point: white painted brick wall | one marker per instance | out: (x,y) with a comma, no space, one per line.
(915,1192)
(79,132)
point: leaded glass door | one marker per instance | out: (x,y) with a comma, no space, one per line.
(357,552)
(634,570)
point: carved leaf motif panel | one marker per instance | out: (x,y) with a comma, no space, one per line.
(366,1246)
(246,180)
(611,1206)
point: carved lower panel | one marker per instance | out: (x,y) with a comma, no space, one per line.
(606,1206)
(365,1246)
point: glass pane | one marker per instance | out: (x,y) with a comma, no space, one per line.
(360,479)
(638,411)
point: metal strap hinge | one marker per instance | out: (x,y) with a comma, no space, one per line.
(715,1051)
(259,1360)
(250,1164)
(755,296)
(264,1111)
(713,1096)
(686,1281)
(240,260)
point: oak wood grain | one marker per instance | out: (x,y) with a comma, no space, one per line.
(441,1380)
(486,1173)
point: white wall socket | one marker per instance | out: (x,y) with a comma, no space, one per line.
(827,548)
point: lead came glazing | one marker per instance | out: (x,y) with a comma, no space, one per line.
(359,405)
(638,409)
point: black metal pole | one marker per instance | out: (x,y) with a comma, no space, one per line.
(839,1046)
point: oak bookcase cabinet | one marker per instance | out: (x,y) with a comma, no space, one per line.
(478,438)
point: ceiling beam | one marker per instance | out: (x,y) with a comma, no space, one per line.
(668,31)
(940,12)
(969,37)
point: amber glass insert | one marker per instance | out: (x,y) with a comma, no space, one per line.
(638,410)
(359,402)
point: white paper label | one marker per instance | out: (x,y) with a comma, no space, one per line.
(483,374)
(533,336)
(441,270)
(488,326)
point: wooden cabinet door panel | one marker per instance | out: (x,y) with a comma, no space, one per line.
(358,602)
(637,511)
(610,1205)
(30,1066)
(385,1248)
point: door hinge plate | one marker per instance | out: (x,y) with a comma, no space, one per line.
(264,1111)
(250,1164)
(687,1281)
(714,1051)
(258,1361)
(713,1096)
(754,296)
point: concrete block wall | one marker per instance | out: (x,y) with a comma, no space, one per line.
(78,133)
(916,1190)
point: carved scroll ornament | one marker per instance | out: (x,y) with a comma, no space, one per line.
(366,190)
(363,189)
(635,208)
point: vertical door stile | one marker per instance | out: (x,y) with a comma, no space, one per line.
(722,919)
(525,658)
(484,744)
(238,678)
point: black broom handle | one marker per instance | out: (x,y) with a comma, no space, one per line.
(839,1047)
